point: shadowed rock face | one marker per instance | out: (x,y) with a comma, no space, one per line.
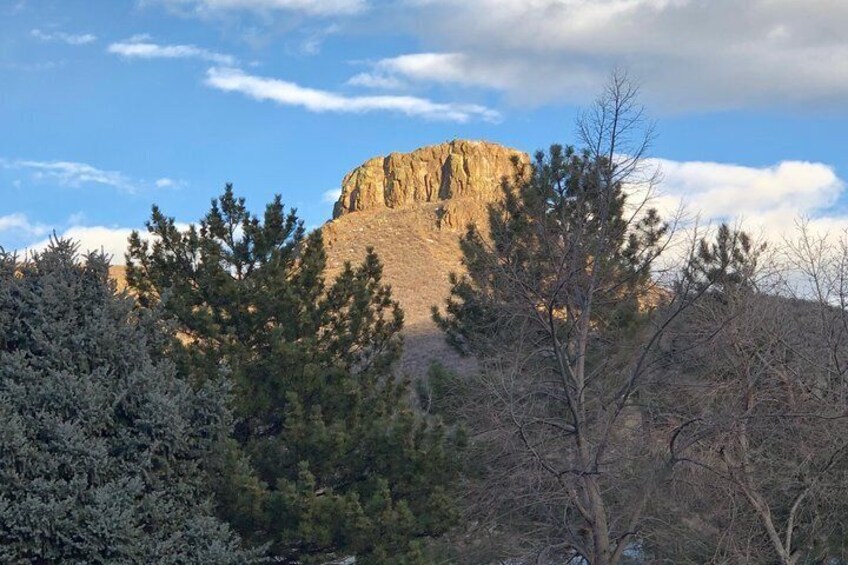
(412,208)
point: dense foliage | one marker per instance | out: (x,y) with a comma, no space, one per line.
(328,458)
(102,449)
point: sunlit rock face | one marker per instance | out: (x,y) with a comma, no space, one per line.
(458,171)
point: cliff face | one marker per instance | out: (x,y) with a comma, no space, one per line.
(459,172)
(412,209)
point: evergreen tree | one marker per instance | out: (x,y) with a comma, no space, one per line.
(102,448)
(328,458)
(727,264)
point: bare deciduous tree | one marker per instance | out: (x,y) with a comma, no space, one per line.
(756,394)
(559,305)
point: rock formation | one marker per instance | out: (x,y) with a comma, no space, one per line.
(464,175)
(412,208)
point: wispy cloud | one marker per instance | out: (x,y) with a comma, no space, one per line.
(76,219)
(139,47)
(768,199)
(309,7)
(74,174)
(14,8)
(31,67)
(377,80)
(71,173)
(314,100)
(314,40)
(330,196)
(395,72)
(60,36)
(21,224)
(166,182)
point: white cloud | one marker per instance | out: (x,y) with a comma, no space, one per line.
(110,240)
(376,80)
(166,182)
(767,199)
(330,196)
(71,174)
(428,67)
(689,54)
(291,94)
(139,47)
(309,7)
(69,38)
(19,223)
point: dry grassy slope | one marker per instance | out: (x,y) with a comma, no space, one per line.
(418,258)
(118,273)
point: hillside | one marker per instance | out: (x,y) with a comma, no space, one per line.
(413,208)
(417,258)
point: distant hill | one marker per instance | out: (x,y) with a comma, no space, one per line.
(413,208)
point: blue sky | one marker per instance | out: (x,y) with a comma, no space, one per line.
(109,106)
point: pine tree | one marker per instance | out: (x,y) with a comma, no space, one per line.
(725,265)
(103,450)
(328,459)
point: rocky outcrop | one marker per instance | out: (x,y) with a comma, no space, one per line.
(468,174)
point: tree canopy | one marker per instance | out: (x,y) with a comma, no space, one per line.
(103,450)
(328,458)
